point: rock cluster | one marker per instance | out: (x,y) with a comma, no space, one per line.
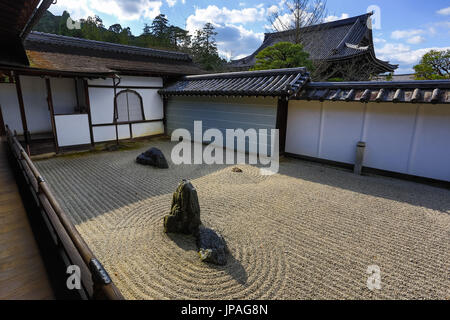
(184,218)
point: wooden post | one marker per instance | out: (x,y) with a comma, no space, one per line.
(165,101)
(360,148)
(115,110)
(88,106)
(22,113)
(281,122)
(52,113)
(2,124)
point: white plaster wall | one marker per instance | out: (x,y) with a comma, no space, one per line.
(303,128)
(406,138)
(388,132)
(108,133)
(72,130)
(341,130)
(102,107)
(147,129)
(64,95)
(127,81)
(430,148)
(10,107)
(36,107)
(153,103)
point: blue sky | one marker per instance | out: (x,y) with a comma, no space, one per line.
(408,28)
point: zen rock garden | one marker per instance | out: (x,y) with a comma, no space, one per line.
(153,157)
(184,218)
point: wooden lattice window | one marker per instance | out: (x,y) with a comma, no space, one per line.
(129,106)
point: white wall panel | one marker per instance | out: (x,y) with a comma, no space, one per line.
(72,130)
(303,128)
(34,93)
(10,107)
(108,133)
(388,134)
(147,129)
(102,105)
(64,95)
(153,103)
(404,138)
(341,130)
(129,81)
(430,154)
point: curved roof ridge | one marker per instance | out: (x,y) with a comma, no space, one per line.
(331,24)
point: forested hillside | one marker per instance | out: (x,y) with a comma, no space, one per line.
(159,35)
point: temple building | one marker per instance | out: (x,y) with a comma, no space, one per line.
(339,49)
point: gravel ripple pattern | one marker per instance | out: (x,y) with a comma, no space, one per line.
(308,232)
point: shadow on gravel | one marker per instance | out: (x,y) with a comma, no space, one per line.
(416,194)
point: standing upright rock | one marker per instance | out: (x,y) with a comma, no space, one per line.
(184,218)
(184,215)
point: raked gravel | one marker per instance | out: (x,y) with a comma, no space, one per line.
(308,232)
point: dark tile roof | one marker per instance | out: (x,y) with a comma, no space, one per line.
(337,40)
(39,41)
(55,53)
(52,62)
(280,82)
(430,91)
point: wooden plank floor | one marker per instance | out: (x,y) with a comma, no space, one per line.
(22,272)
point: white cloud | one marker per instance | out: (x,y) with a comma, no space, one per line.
(334,18)
(236,41)
(444,11)
(171,3)
(416,40)
(77,9)
(402,34)
(379,40)
(123,10)
(215,15)
(233,38)
(273,9)
(403,54)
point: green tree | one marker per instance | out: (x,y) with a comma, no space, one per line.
(282,55)
(160,26)
(204,49)
(434,65)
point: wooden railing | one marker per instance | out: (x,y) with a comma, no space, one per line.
(95,281)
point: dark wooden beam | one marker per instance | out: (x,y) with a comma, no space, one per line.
(281,122)
(52,113)
(23,116)
(88,106)
(2,124)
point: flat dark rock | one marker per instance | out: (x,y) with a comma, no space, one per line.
(212,247)
(153,157)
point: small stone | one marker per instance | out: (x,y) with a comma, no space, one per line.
(184,215)
(236,169)
(153,157)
